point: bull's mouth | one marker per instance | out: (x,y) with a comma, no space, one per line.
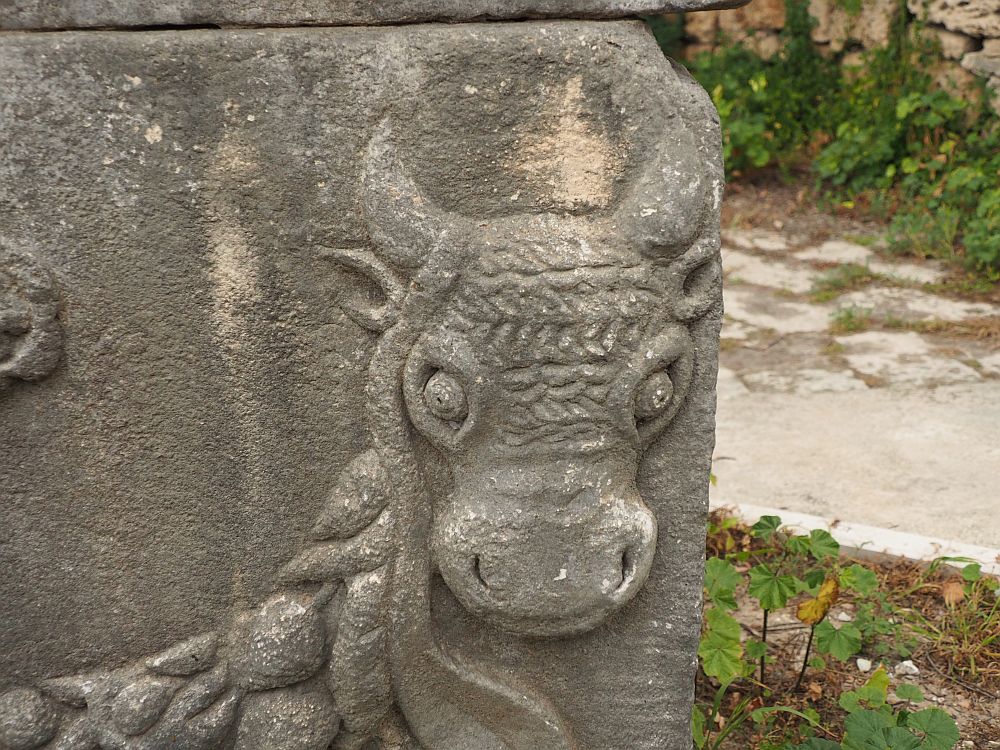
(620,590)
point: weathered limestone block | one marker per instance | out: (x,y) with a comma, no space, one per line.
(760,14)
(357,386)
(954,46)
(69,14)
(985,62)
(702,27)
(955,79)
(835,26)
(973,17)
(755,25)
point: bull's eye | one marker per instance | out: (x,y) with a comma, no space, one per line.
(653,396)
(445,398)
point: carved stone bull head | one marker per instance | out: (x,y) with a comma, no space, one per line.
(549,351)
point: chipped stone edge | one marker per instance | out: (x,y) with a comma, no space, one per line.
(873,540)
(26,21)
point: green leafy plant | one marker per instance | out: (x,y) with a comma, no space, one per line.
(775,569)
(885,137)
(770,108)
(873,724)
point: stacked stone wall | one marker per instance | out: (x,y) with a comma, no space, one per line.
(968,31)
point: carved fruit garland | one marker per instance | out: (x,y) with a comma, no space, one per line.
(323,657)
(30,331)
(318,657)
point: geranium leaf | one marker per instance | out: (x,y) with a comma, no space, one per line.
(842,643)
(766,527)
(772,590)
(859,578)
(939,729)
(720,649)
(910,692)
(721,581)
(822,545)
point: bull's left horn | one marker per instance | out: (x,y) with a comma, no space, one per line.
(403,225)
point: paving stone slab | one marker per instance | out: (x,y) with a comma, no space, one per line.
(914,272)
(736,330)
(836,251)
(906,359)
(804,381)
(990,363)
(914,304)
(729,384)
(917,460)
(763,309)
(756,239)
(72,14)
(769,272)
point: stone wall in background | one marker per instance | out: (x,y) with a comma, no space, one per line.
(968,30)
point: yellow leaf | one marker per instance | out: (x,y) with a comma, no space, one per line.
(829,592)
(812,611)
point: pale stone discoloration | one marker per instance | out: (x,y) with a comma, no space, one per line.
(573,155)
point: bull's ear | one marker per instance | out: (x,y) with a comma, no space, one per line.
(403,225)
(375,311)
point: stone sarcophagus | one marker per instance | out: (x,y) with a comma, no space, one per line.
(357,383)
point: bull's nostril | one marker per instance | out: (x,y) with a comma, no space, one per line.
(478,573)
(628,567)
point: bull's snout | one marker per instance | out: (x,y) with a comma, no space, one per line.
(547,564)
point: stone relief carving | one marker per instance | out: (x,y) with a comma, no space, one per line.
(30,331)
(523,366)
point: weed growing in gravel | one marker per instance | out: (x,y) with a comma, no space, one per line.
(851,319)
(966,635)
(840,280)
(983,328)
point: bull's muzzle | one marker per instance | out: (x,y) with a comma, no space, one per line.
(545,553)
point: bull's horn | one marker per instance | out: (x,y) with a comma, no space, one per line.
(665,208)
(403,225)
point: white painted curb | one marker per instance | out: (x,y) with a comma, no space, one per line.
(874,539)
